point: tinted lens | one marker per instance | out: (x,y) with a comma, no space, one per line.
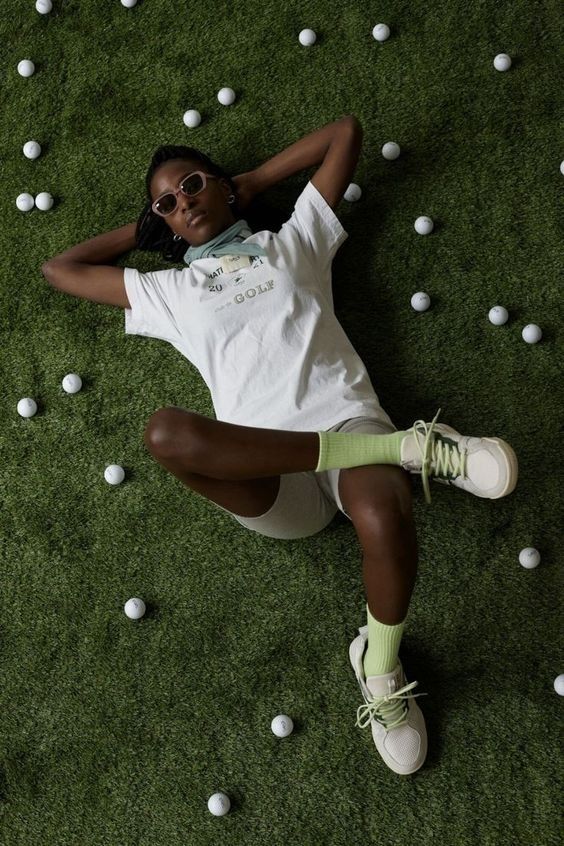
(166,204)
(192,184)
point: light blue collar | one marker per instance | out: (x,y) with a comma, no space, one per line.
(228,242)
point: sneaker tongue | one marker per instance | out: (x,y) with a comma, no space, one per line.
(382,685)
(410,453)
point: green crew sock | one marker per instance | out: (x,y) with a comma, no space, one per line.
(354,449)
(381,655)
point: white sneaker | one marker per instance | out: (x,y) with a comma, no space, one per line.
(485,467)
(398,725)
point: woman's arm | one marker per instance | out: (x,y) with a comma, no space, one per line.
(309,151)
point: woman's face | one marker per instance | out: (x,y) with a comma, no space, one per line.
(212,200)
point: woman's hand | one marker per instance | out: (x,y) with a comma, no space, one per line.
(245,189)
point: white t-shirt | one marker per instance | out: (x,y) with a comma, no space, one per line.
(264,337)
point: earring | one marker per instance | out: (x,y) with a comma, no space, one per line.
(177,238)
(231,198)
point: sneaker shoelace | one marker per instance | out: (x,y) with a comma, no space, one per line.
(390,710)
(438,458)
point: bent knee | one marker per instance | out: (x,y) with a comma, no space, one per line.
(169,429)
(384,517)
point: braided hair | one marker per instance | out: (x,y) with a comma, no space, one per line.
(152,232)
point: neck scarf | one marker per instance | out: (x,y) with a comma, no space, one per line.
(228,242)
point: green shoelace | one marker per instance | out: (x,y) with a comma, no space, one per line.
(390,710)
(439,457)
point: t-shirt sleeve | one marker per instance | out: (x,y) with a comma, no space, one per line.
(316,226)
(155,303)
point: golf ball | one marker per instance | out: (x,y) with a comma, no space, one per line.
(391,150)
(226,96)
(381,32)
(72,383)
(307,37)
(27,407)
(134,608)
(219,804)
(502,62)
(129,4)
(423,225)
(44,201)
(531,333)
(31,150)
(353,193)
(192,118)
(420,301)
(26,67)
(498,315)
(562,167)
(559,684)
(282,725)
(25,201)
(529,558)
(114,474)
(43,6)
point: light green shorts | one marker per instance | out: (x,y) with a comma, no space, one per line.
(308,501)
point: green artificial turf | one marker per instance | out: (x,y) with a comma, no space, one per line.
(117,732)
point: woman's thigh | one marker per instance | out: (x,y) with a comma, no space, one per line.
(308,501)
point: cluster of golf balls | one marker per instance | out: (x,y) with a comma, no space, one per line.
(114,474)
(193,118)
(498,315)
(282,725)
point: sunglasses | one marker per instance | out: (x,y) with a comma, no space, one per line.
(189,185)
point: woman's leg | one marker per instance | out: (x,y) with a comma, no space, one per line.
(222,450)
(378,499)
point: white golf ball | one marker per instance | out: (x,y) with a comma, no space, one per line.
(134,608)
(498,315)
(219,804)
(31,150)
(72,383)
(226,96)
(26,67)
(282,725)
(559,684)
(423,225)
(531,333)
(391,150)
(44,201)
(529,558)
(114,474)
(307,37)
(502,62)
(25,201)
(43,6)
(381,32)
(562,167)
(192,118)
(420,301)
(27,407)
(129,4)
(353,193)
